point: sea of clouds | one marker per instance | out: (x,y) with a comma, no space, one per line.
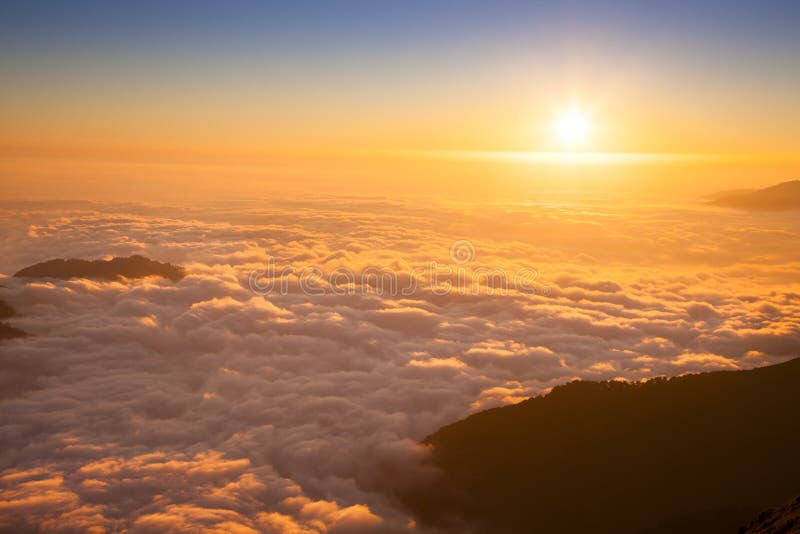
(152,406)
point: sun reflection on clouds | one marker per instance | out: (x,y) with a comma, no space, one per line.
(203,404)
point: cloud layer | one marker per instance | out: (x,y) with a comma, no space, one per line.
(149,405)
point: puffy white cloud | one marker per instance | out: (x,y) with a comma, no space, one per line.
(148,406)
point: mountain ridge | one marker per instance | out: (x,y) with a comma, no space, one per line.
(6,330)
(782,196)
(131,267)
(695,453)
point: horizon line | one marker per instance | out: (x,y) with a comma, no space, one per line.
(556,157)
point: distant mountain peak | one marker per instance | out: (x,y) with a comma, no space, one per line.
(6,330)
(135,266)
(782,196)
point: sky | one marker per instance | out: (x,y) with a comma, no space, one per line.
(343,94)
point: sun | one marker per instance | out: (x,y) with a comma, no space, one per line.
(572,128)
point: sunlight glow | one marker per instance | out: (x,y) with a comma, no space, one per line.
(572,128)
(564,157)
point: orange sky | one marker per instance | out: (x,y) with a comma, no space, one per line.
(234,113)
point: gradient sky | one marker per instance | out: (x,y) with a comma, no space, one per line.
(263,84)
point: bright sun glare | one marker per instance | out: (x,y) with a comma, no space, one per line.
(572,128)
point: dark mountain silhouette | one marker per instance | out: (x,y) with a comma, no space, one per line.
(130,267)
(697,453)
(6,310)
(6,330)
(782,520)
(9,332)
(783,196)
